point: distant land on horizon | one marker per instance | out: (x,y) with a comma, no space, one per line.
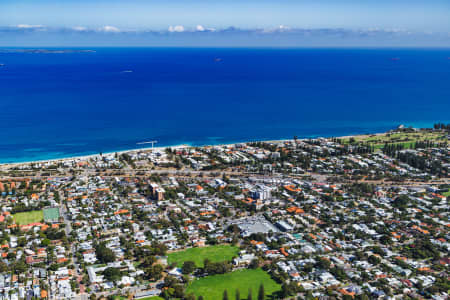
(44,51)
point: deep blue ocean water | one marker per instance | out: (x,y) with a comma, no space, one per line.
(59,105)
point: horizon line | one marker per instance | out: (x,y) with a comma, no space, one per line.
(381,47)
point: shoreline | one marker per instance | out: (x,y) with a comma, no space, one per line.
(87,156)
(178,146)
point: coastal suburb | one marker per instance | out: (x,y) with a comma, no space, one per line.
(356,217)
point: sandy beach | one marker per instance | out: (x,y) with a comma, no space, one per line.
(160,148)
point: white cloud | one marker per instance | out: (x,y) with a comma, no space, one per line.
(176,28)
(283,28)
(79,28)
(28,26)
(200,28)
(280,28)
(109,28)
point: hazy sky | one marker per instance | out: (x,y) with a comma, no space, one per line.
(141,22)
(423,15)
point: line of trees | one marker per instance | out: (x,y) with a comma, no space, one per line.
(261,294)
(423,163)
(441,126)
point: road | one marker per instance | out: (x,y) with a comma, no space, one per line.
(68,228)
(187,173)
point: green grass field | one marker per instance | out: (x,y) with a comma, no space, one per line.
(24,218)
(407,139)
(197,255)
(212,287)
(146,298)
(446,194)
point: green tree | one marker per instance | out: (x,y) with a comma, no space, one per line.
(188,267)
(20,267)
(155,272)
(373,260)
(178,291)
(225,295)
(254,264)
(323,264)
(3,267)
(45,242)
(112,274)
(104,254)
(401,201)
(261,292)
(148,261)
(190,297)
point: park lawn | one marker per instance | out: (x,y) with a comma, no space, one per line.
(408,139)
(213,253)
(405,138)
(27,217)
(446,194)
(212,287)
(406,145)
(146,298)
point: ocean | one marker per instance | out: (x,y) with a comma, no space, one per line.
(55,105)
